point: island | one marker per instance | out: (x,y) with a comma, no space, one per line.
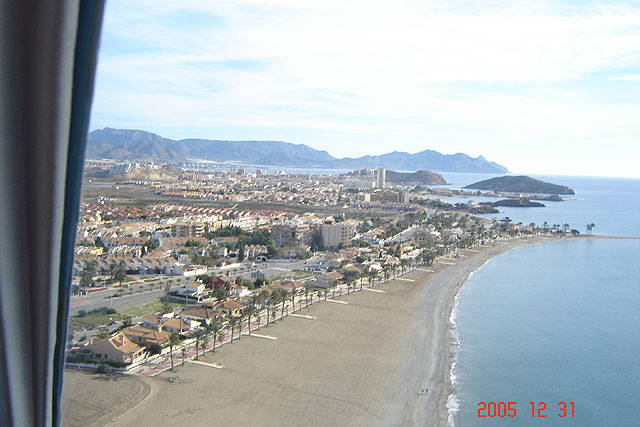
(521,202)
(520,184)
(424,177)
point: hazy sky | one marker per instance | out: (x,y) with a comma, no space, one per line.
(544,87)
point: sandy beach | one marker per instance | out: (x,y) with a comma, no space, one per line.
(365,362)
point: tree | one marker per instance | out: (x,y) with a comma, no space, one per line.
(174,340)
(86,279)
(99,243)
(333,285)
(350,276)
(292,294)
(184,350)
(205,341)
(233,322)
(198,334)
(118,272)
(152,244)
(590,228)
(404,263)
(216,328)
(250,311)
(307,287)
(282,297)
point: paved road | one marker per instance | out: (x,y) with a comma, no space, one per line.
(105,298)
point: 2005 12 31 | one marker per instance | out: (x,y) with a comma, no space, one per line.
(509,409)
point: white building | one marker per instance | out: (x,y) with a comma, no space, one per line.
(381,174)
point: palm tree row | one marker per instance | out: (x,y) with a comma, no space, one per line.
(267,303)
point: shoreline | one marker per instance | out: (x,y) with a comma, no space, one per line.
(364,363)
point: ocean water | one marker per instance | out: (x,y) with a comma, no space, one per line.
(612,204)
(557,321)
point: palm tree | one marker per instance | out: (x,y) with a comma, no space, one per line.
(215,328)
(267,306)
(198,334)
(174,340)
(590,228)
(205,341)
(282,297)
(334,285)
(292,294)
(233,322)
(257,317)
(403,264)
(307,287)
(250,311)
(243,315)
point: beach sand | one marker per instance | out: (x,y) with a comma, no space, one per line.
(361,363)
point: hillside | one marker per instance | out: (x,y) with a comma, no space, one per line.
(122,144)
(520,184)
(419,177)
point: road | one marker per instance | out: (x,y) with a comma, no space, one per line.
(141,294)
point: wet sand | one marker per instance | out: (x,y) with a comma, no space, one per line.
(361,363)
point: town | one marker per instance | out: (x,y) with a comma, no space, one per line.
(172,261)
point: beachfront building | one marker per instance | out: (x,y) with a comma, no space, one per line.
(117,348)
(146,336)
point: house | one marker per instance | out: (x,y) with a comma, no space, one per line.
(176,325)
(326,280)
(116,348)
(195,292)
(202,314)
(231,307)
(146,336)
(150,320)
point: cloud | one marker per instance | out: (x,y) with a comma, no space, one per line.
(354,78)
(631,78)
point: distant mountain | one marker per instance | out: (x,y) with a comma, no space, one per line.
(121,144)
(428,159)
(419,177)
(520,184)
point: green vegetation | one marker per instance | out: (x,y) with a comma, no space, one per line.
(152,244)
(96,317)
(147,307)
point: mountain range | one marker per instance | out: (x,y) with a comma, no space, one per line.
(124,144)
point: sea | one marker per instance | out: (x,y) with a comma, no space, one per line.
(554,327)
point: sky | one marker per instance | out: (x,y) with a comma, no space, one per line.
(547,87)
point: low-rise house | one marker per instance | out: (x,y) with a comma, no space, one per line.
(193,292)
(146,336)
(328,279)
(177,325)
(203,314)
(116,348)
(231,307)
(150,321)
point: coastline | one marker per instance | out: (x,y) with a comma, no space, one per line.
(364,363)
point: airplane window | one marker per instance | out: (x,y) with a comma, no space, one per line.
(345,213)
